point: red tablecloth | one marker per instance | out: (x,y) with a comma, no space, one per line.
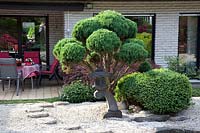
(28,71)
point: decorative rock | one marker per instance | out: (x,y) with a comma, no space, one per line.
(38,115)
(34,109)
(122,105)
(73,128)
(159,118)
(135,109)
(178,118)
(48,120)
(125,111)
(60,103)
(174,130)
(46,105)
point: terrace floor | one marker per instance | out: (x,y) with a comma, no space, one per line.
(48,89)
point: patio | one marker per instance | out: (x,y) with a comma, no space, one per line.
(48,89)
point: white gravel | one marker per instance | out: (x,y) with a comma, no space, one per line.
(86,118)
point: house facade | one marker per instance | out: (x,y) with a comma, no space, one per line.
(173,26)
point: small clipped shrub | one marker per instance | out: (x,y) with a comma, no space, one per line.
(127,55)
(72,52)
(84,28)
(103,40)
(160,90)
(144,67)
(61,43)
(77,92)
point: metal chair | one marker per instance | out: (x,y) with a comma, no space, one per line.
(51,73)
(4,54)
(8,71)
(34,55)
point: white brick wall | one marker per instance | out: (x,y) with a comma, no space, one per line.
(166,40)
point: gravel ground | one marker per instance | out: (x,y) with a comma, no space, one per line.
(86,117)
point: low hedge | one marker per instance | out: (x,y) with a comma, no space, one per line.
(77,92)
(160,90)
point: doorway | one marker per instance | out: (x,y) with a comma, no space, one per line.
(24,33)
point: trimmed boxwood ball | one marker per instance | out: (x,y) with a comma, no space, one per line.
(144,67)
(72,53)
(131,52)
(134,40)
(160,90)
(61,43)
(117,23)
(77,92)
(84,28)
(132,30)
(103,41)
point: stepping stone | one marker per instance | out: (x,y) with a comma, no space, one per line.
(46,105)
(60,103)
(38,115)
(178,118)
(34,109)
(47,120)
(151,118)
(73,127)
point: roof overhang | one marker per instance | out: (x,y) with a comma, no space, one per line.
(66,6)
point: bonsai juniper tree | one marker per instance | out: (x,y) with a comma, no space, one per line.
(106,40)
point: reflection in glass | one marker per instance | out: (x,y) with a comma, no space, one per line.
(188,38)
(8,34)
(144,24)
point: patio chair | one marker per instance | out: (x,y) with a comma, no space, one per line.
(4,54)
(8,71)
(51,73)
(34,55)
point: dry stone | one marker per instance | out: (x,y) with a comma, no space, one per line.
(34,109)
(38,115)
(47,120)
(60,103)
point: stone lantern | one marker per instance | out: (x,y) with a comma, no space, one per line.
(99,75)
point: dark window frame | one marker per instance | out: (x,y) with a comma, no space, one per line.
(19,31)
(198,35)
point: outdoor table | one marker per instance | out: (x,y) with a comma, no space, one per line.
(29,71)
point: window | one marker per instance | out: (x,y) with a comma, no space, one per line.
(187,44)
(145,25)
(24,33)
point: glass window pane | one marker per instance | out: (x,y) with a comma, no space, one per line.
(34,35)
(188,38)
(144,24)
(8,34)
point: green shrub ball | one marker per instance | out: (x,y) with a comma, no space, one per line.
(117,23)
(72,53)
(77,92)
(161,91)
(103,41)
(131,52)
(61,43)
(84,28)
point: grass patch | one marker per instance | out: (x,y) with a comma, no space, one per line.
(196,92)
(50,100)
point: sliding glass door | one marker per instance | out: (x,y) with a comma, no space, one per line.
(24,33)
